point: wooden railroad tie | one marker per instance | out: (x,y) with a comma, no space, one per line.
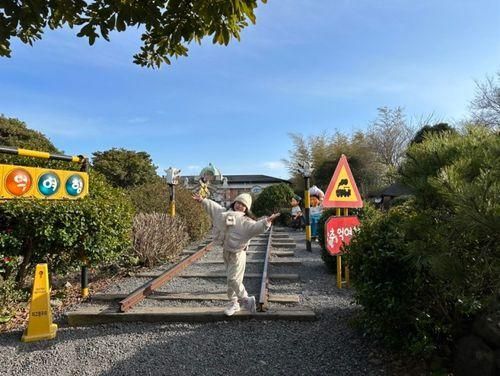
(252,252)
(160,295)
(97,315)
(289,277)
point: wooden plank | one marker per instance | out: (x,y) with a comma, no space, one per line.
(260,261)
(255,252)
(158,295)
(96,315)
(277,240)
(273,236)
(274,244)
(290,277)
(284,245)
(283,253)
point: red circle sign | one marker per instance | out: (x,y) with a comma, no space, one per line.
(18,182)
(339,231)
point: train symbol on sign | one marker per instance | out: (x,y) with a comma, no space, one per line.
(343,189)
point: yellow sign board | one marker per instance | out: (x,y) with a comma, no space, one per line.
(33,182)
(40,324)
(342,192)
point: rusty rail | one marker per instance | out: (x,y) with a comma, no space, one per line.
(142,292)
(264,291)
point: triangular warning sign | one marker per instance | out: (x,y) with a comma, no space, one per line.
(342,191)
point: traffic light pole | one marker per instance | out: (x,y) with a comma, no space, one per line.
(85,261)
(171,208)
(307,209)
(42,154)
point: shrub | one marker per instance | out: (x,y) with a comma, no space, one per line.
(285,218)
(9,296)
(385,278)
(424,269)
(158,237)
(273,199)
(195,218)
(62,233)
(155,197)
(152,197)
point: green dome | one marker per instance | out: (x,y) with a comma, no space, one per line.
(211,173)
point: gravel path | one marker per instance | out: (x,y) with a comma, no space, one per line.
(327,346)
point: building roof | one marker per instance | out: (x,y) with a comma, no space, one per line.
(245,179)
(395,190)
(254,179)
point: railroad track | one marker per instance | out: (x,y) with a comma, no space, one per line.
(194,289)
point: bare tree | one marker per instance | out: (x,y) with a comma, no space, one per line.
(324,152)
(389,135)
(485,107)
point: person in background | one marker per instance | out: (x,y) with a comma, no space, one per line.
(296,213)
(233,228)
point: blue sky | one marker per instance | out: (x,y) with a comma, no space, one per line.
(305,67)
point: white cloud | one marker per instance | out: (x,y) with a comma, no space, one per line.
(274,165)
(193,167)
(138,119)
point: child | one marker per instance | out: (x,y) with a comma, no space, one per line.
(233,229)
(297,218)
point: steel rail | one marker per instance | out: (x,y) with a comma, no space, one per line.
(147,289)
(264,292)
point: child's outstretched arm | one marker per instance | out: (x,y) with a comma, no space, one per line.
(272,217)
(211,207)
(255,228)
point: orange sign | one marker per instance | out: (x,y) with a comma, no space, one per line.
(18,182)
(342,191)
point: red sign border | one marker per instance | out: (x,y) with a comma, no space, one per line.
(342,204)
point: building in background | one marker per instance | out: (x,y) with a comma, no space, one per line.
(224,188)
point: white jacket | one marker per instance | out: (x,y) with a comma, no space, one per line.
(233,229)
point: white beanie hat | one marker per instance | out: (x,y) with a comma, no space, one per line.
(245,199)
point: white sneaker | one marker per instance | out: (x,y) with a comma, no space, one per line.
(249,304)
(232,308)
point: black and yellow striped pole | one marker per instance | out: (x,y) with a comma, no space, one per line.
(84,278)
(172,178)
(307,206)
(306,170)
(171,208)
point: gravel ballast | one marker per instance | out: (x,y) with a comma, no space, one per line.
(327,346)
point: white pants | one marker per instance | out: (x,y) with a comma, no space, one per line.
(235,263)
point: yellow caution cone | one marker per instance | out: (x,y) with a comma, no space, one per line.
(40,324)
